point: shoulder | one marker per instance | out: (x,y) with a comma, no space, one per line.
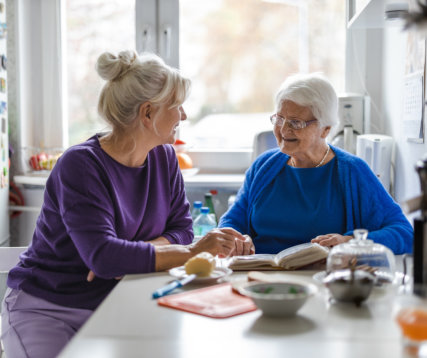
(163,158)
(165,150)
(271,155)
(354,169)
(75,154)
(267,164)
(163,153)
(350,160)
(79,159)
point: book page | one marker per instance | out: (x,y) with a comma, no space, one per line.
(301,255)
(252,261)
(288,259)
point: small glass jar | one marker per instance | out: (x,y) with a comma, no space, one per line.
(361,253)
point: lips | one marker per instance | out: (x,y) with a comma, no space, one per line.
(289,139)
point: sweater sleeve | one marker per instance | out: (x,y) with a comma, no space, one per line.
(257,177)
(89,219)
(237,216)
(180,225)
(378,212)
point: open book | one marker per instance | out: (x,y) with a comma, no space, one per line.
(291,258)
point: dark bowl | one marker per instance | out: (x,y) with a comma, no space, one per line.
(350,285)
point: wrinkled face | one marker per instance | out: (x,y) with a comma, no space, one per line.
(166,122)
(298,141)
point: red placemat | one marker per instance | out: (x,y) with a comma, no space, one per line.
(217,301)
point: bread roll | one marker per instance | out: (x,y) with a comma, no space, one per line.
(202,264)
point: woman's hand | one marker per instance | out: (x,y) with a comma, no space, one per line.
(331,239)
(223,242)
(245,247)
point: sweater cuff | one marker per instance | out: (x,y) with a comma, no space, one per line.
(177,238)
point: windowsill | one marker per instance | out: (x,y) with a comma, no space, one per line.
(229,181)
(221,160)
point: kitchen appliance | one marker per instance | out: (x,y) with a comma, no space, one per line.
(354,115)
(376,150)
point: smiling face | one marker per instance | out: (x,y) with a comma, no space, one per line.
(304,142)
(166,122)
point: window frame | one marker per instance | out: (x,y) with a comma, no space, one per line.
(35,38)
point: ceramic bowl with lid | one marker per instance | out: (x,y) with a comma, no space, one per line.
(363,254)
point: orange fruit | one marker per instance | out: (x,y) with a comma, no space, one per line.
(413,322)
(184,160)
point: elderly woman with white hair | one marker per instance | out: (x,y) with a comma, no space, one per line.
(307,190)
(113,205)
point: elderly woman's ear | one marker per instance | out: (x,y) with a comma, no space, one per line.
(326,131)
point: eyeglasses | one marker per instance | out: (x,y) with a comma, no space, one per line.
(278,120)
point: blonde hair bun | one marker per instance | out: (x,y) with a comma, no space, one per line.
(133,80)
(111,67)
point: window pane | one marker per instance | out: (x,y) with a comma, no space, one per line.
(237,54)
(93,26)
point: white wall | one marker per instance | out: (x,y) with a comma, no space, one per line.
(376,66)
(407,153)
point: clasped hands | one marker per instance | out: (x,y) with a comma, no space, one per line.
(225,242)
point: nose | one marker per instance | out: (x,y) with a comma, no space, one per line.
(285,127)
(183,114)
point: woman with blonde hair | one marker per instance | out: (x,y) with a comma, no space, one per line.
(113,205)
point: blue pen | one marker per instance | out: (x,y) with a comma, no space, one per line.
(171,286)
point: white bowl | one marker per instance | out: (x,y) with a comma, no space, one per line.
(279,299)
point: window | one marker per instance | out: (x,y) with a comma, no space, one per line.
(93,27)
(236,53)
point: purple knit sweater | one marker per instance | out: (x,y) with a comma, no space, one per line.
(100,215)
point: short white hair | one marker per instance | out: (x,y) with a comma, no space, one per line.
(314,91)
(133,80)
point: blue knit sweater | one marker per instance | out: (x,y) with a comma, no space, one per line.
(367,203)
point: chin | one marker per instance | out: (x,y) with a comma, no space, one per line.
(285,148)
(171,139)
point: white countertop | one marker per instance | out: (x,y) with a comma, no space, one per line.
(131,324)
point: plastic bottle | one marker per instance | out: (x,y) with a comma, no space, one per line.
(210,205)
(203,223)
(197,205)
(216,202)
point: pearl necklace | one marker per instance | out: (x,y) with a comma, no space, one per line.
(320,163)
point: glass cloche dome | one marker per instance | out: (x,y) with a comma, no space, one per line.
(361,253)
